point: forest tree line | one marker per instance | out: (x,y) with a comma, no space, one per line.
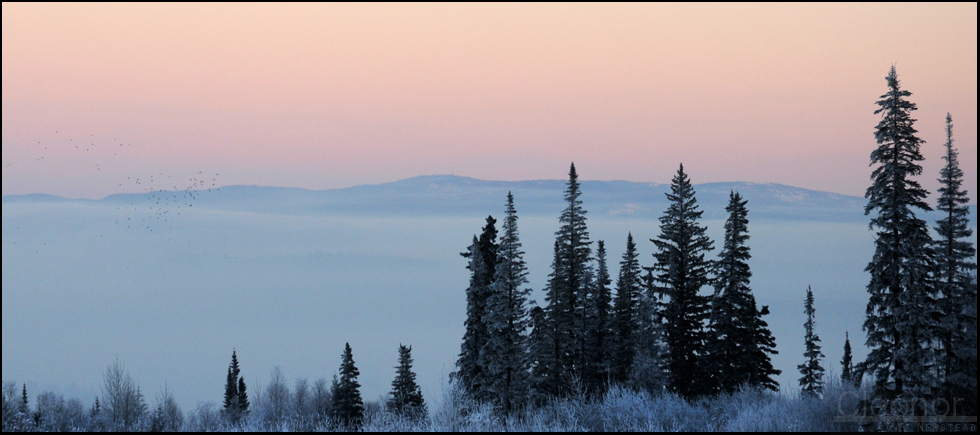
(657,331)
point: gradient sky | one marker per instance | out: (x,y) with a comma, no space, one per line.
(334,95)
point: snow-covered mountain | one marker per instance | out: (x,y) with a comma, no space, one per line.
(449,195)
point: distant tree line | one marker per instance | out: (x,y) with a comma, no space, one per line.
(122,407)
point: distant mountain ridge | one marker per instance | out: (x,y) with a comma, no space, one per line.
(454,195)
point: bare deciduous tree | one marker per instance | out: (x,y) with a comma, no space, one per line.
(122,400)
(278,401)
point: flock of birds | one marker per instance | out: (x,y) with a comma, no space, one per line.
(152,202)
(156,206)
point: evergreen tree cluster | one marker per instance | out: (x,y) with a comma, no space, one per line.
(739,341)
(657,332)
(921,315)
(493,362)
(338,406)
(236,403)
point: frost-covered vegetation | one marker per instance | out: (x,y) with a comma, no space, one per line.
(625,410)
(280,408)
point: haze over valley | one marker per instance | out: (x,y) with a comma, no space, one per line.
(287,276)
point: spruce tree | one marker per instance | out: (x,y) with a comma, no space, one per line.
(740,342)
(683,272)
(812,381)
(762,370)
(955,255)
(232,404)
(602,334)
(847,363)
(577,253)
(406,395)
(629,286)
(468,372)
(482,255)
(347,410)
(549,344)
(567,295)
(902,314)
(243,403)
(505,354)
(24,407)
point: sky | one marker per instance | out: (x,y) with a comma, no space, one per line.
(335,95)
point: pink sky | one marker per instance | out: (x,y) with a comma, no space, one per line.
(327,96)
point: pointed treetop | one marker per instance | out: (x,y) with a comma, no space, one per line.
(894,88)
(406,396)
(949,130)
(573,191)
(681,188)
(489,234)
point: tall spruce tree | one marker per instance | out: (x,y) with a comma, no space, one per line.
(469,373)
(406,395)
(847,363)
(902,313)
(567,294)
(577,251)
(682,271)
(955,255)
(629,286)
(812,381)
(505,354)
(740,342)
(482,255)
(602,334)
(347,407)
